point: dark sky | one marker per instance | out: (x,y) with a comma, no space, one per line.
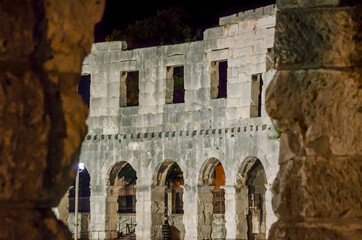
(203,14)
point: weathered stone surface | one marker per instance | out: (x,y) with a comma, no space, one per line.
(204,127)
(42,44)
(303,181)
(316,110)
(321,38)
(316,98)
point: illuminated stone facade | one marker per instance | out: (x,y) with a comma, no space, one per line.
(204,127)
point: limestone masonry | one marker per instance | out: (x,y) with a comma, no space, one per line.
(205,127)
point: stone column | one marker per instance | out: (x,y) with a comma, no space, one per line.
(97,211)
(204,212)
(157,211)
(143,212)
(169,201)
(316,97)
(270,217)
(236,210)
(112,218)
(190,211)
(63,208)
(150,209)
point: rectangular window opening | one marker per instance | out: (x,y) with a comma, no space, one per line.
(218,200)
(256,95)
(84,88)
(175,88)
(129,88)
(218,88)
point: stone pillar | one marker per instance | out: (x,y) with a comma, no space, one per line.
(112,218)
(204,212)
(190,215)
(97,211)
(316,98)
(157,211)
(63,208)
(143,212)
(236,210)
(169,201)
(270,217)
(42,118)
(150,209)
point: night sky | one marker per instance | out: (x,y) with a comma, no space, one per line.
(203,14)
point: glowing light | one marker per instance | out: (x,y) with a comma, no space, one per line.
(81,166)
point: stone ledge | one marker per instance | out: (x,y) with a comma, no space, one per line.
(249,14)
(187,133)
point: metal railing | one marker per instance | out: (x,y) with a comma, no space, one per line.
(128,228)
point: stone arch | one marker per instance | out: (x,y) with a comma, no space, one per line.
(207,171)
(166,156)
(120,199)
(160,172)
(251,185)
(164,196)
(211,202)
(114,170)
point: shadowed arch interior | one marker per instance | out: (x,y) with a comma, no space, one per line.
(113,174)
(253,177)
(162,171)
(208,170)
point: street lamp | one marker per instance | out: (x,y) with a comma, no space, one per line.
(79,169)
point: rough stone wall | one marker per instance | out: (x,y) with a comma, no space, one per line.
(42,45)
(188,133)
(316,96)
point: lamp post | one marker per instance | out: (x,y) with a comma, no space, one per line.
(79,169)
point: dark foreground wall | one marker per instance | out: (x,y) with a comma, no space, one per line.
(319,186)
(42,118)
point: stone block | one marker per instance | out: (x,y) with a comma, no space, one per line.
(107,57)
(113,77)
(266,22)
(231,29)
(316,32)
(85,69)
(151,62)
(99,58)
(195,57)
(244,51)
(270,9)
(113,89)
(147,87)
(175,60)
(219,54)
(98,90)
(149,53)
(176,49)
(127,65)
(125,55)
(214,32)
(228,20)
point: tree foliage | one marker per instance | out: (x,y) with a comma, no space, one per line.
(129,174)
(174,175)
(166,27)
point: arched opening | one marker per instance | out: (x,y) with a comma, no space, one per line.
(212,196)
(253,178)
(167,194)
(121,201)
